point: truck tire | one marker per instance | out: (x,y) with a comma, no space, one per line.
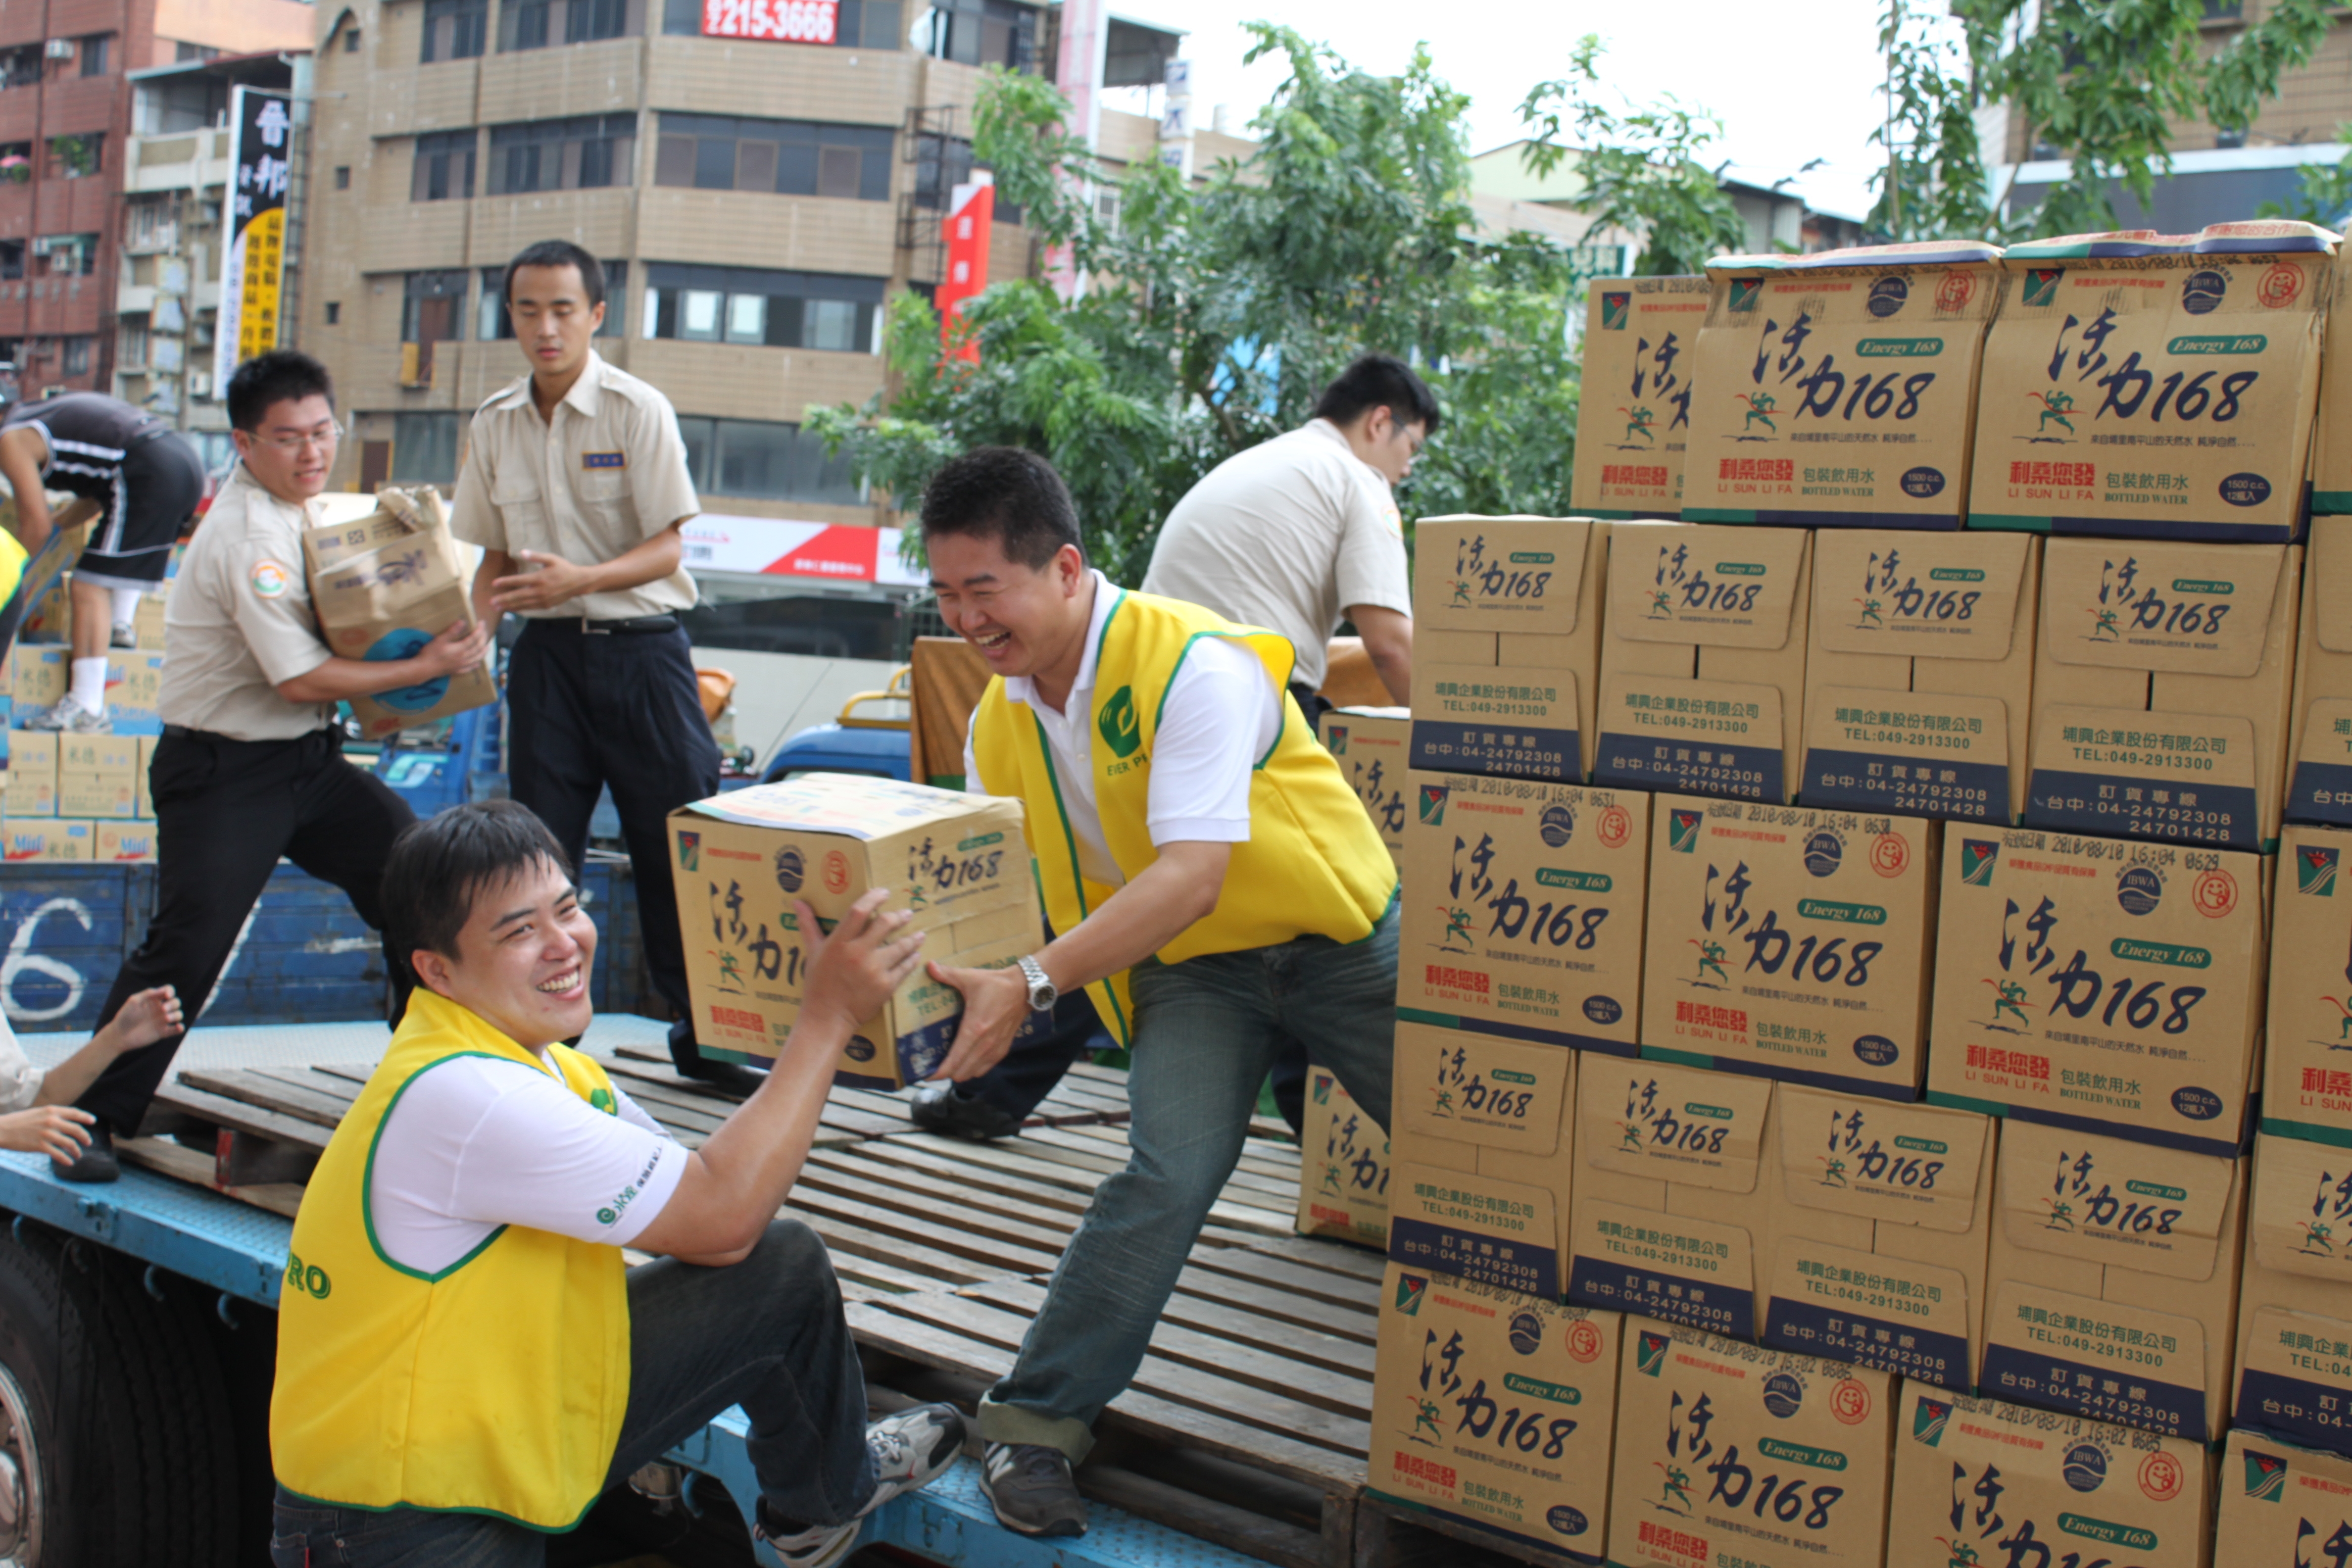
(116,1450)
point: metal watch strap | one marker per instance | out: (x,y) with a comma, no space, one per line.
(1039,982)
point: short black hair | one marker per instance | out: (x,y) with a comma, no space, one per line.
(1381,381)
(280,376)
(556,253)
(1005,493)
(438,867)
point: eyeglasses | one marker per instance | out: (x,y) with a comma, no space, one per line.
(289,446)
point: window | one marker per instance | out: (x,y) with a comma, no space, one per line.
(434,311)
(444,167)
(536,23)
(578,154)
(981,33)
(76,360)
(68,255)
(2230,138)
(492,325)
(943,162)
(789,157)
(150,225)
(351,42)
(424,448)
(746,305)
(15,161)
(191,54)
(334,311)
(759,460)
(342,176)
(20,67)
(12,258)
(135,343)
(75,157)
(94,52)
(454,29)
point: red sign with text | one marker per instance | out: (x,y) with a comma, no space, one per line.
(775,21)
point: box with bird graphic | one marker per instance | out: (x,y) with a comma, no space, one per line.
(1640,339)
(2294,1311)
(2277,1501)
(1343,1166)
(2307,1030)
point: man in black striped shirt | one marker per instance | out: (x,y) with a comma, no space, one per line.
(147,481)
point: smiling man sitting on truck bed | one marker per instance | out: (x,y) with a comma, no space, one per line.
(1217,887)
(464,1361)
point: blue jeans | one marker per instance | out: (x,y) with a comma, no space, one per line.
(1205,1032)
(766,1333)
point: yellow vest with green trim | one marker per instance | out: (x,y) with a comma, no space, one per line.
(495,1386)
(1313,865)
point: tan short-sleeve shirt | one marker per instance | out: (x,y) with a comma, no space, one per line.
(608,474)
(239,621)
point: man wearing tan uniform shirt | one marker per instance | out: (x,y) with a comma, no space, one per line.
(574,485)
(250,765)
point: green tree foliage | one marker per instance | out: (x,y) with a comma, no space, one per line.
(1212,314)
(2104,81)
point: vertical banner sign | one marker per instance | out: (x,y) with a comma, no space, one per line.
(772,21)
(253,258)
(970,210)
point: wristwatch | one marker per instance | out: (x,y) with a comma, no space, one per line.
(1041,995)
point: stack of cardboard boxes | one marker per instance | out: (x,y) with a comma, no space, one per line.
(82,797)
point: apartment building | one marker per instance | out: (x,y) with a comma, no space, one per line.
(755,202)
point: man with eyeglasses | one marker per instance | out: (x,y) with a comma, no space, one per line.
(147,481)
(250,765)
(575,485)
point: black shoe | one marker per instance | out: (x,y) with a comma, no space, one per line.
(95,1163)
(728,1078)
(939,1108)
(1030,1486)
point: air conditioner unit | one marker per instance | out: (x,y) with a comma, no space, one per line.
(60,49)
(200,384)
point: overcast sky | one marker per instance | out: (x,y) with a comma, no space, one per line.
(1791,85)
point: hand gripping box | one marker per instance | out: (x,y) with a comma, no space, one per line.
(384,586)
(1343,1167)
(1506,641)
(2114,1270)
(1919,673)
(1640,339)
(1880,1235)
(2284,1506)
(1838,389)
(1522,909)
(2162,689)
(1672,1194)
(1703,659)
(1496,1409)
(1791,942)
(2142,385)
(2295,1309)
(1369,745)
(2307,1030)
(2100,984)
(1984,1481)
(1730,1455)
(2319,742)
(1483,1142)
(957,862)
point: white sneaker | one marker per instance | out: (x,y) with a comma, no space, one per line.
(910,1449)
(125,634)
(72,718)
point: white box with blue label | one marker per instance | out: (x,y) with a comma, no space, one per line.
(134,691)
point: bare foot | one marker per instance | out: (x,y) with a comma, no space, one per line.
(149,1016)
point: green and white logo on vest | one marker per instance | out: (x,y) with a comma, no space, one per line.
(1122,731)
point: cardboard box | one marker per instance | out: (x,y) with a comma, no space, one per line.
(2278,1501)
(125,841)
(39,678)
(2162,689)
(1534,585)
(1841,386)
(2294,1315)
(2319,741)
(1343,1167)
(1791,943)
(1496,1409)
(2114,1270)
(1483,1146)
(47,838)
(113,796)
(1703,659)
(1640,339)
(2306,1074)
(1880,1236)
(143,788)
(957,862)
(1978,1481)
(2331,442)
(2146,385)
(1522,909)
(134,691)
(1370,745)
(147,621)
(1705,1425)
(1919,672)
(33,773)
(2100,984)
(1672,1196)
(384,587)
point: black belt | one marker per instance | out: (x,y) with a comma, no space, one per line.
(212,738)
(587,628)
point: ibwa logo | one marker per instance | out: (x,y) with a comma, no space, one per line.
(1978,857)
(1122,730)
(2266,1477)
(1412,1291)
(1616,309)
(1681,832)
(2315,872)
(1433,805)
(689,851)
(1928,1419)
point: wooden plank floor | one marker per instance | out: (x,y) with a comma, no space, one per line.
(1247,1421)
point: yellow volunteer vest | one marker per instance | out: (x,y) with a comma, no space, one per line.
(495,1386)
(1314,866)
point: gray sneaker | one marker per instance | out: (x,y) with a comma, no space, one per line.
(72,718)
(910,1449)
(1030,1486)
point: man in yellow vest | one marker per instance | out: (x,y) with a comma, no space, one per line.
(464,1361)
(1217,889)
